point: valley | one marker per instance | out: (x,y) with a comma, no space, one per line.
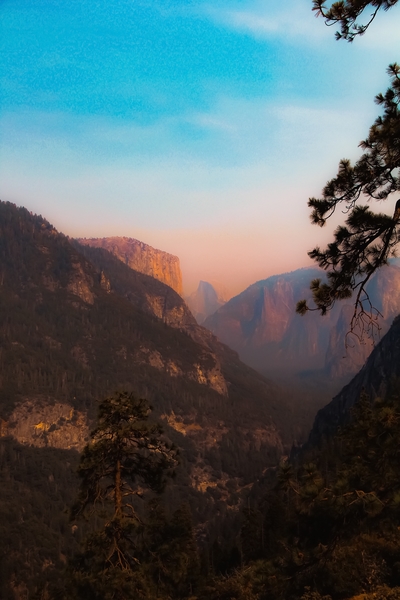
(78,324)
(199,300)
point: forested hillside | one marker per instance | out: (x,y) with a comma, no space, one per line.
(74,332)
(328,528)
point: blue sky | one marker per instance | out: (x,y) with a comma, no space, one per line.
(200,128)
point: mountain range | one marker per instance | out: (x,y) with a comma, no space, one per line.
(76,325)
(261,323)
(94,324)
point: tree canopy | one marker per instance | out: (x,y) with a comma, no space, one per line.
(345,13)
(125,454)
(367,239)
(126,458)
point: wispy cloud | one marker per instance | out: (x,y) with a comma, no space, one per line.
(208,121)
(246,149)
(292,20)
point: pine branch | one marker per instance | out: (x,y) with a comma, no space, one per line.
(367,239)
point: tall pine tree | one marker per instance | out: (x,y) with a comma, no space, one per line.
(126,458)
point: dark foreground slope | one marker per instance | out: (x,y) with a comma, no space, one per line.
(329,529)
(378,377)
(74,331)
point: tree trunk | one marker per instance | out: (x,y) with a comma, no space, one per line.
(118,491)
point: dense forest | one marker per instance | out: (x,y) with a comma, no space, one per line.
(73,332)
(326,527)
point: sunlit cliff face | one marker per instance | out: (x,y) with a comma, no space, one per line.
(262,325)
(143,258)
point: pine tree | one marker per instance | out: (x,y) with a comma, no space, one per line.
(346,12)
(173,557)
(367,239)
(126,458)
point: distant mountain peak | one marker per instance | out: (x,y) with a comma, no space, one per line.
(209,297)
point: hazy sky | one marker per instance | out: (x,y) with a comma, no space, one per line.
(198,127)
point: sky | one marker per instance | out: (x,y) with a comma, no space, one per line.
(200,128)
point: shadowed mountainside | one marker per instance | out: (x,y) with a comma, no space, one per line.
(377,377)
(75,330)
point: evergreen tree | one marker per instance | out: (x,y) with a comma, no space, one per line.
(173,557)
(346,12)
(367,239)
(126,458)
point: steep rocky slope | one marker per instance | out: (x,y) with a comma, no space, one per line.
(143,258)
(261,324)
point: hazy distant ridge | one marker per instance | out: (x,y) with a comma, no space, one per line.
(262,325)
(208,298)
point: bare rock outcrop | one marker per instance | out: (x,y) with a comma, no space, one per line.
(210,376)
(143,258)
(41,422)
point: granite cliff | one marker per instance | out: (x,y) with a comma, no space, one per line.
(262,326)
(143,258)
